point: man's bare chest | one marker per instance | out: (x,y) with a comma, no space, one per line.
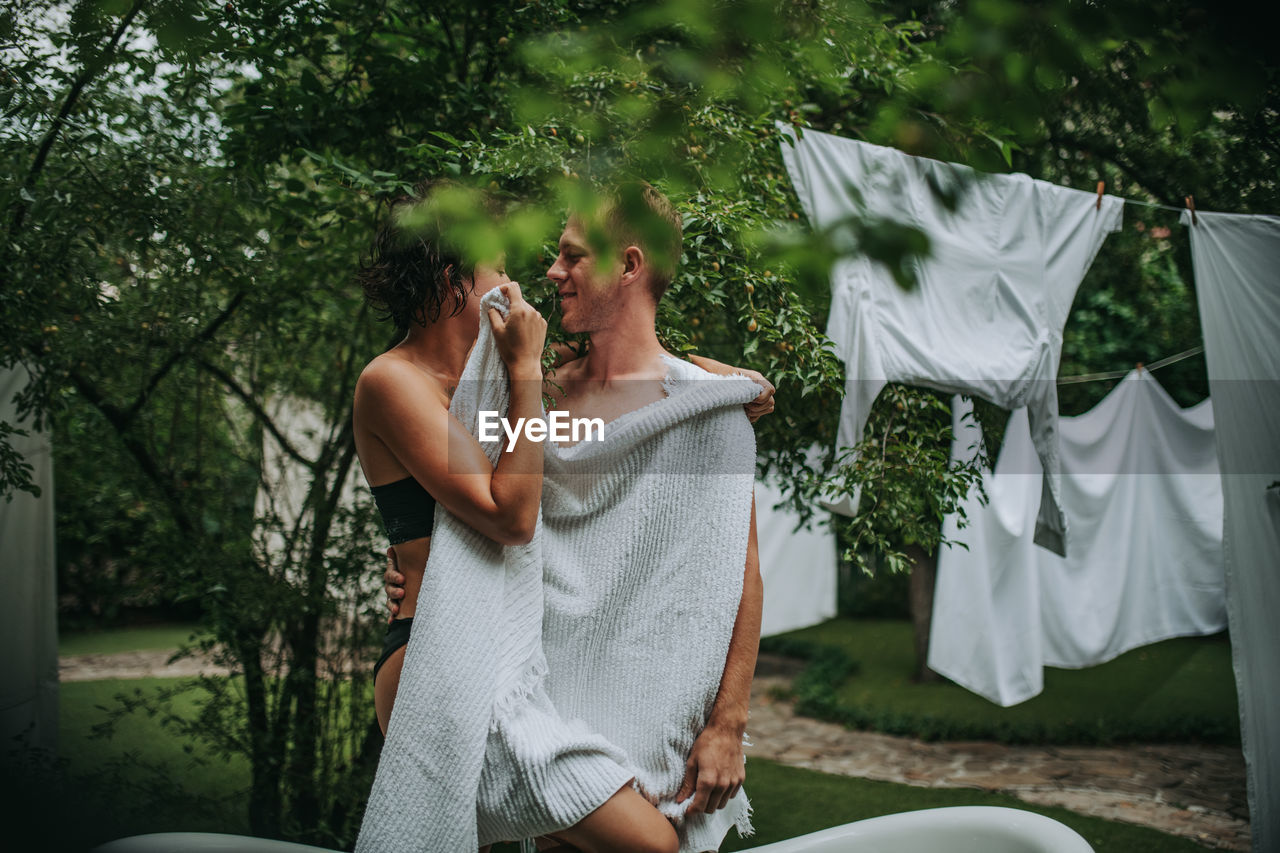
(610,402)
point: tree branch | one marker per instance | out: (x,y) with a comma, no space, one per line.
(1109,152)
(325,505)
(146,461)
(179,354)
(258,412)
(444,26)
(464,61)
(345,387)
(68,104)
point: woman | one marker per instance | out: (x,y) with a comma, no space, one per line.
(414,453)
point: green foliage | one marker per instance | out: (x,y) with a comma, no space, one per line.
(15,469)
(174,308)
(878,595)
(1135,306)
(907,479)
(136,776)
(187,187)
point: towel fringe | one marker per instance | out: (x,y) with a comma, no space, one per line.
(520,691)
(743,822)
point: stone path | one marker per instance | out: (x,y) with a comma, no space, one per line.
(146,664)
(1197,792)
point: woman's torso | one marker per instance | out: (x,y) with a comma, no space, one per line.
(410,514)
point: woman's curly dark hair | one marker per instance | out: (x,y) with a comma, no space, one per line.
(411,274)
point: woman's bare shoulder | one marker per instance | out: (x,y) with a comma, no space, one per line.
(388,378)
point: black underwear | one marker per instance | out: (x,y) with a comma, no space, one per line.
(407,509)
(397,637)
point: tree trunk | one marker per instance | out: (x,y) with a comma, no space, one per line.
(304,672)
(343,820)
(303,675)
(265,758)
(924,569)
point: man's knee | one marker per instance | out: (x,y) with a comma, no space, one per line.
(665,841)
(657,838)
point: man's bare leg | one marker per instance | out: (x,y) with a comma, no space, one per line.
(625,823)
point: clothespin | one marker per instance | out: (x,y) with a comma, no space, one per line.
(1102,185)
(1191,206)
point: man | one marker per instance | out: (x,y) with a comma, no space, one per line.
(611,292)
(611,272)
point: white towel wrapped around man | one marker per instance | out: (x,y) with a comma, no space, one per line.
(541,678)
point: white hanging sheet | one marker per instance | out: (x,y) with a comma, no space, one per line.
(1236,260)
(28,609)
(986,317)
(1141,485)
(798,566)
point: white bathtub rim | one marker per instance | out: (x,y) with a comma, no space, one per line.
(1049,833)
(203,842)
(1052,835)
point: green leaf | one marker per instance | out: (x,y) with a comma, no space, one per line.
(114,8)
(453,140)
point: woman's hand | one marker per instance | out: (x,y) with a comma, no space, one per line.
(521,336)
(757,408)
(763,404)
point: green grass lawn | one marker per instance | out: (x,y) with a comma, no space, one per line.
(81,707)
(1178,690)
(112,641)
(145,778)
(177,794)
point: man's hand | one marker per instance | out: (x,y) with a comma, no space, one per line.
(715,770)
(394,584)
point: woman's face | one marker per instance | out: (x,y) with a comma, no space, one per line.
(488,276)
(484,278)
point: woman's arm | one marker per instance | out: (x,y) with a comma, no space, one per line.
(566,351)
(758,407)
(394,402)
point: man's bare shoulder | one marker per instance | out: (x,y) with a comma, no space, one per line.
(555,382)
(682,369)
(568,371)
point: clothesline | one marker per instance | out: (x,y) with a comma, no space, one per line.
(1118,374)
(1154,204)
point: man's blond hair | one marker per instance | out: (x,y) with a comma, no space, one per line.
(636,213)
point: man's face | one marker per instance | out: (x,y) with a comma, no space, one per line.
(585,289)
